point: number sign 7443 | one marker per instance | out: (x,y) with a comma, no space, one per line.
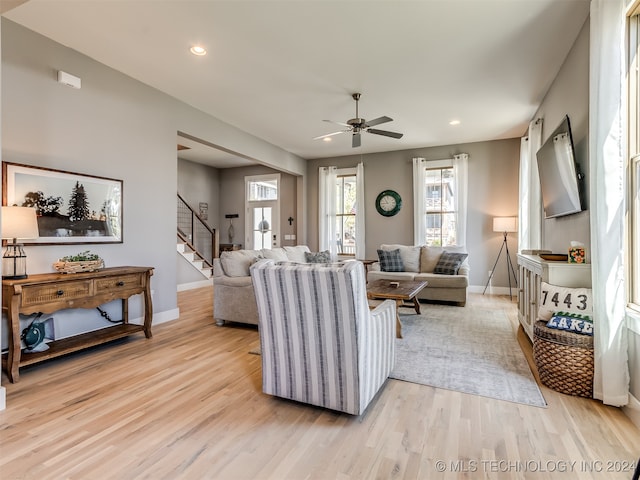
(555,299)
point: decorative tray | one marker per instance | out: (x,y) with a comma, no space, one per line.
(554,257)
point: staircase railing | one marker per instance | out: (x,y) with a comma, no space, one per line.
(195,232)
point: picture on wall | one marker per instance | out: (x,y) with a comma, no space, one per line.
(71,208)
(204,210)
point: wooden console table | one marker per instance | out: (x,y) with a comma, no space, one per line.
(50,292)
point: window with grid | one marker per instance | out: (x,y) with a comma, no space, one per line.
(346,214)
(440,206)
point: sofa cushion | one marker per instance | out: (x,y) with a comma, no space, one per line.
(429,257)
(410,256)
(395,276)
(296,254)
(237,263)
(317,257)
(233,281)
(390,261)
(449,263)
(276,254)
(442,281)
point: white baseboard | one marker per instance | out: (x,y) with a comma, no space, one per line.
(632,410)
(193,285)
(493,290)
(3,398)
(158,318)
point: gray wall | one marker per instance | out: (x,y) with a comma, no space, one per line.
(232,195)
(115,127)
(493,191)
(200,183)
(569,95)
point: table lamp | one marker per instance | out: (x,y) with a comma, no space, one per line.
(17,222)
(504,225)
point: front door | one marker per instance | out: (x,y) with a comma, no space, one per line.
(262,206)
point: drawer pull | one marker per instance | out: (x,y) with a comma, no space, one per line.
(120,283)
(60,293)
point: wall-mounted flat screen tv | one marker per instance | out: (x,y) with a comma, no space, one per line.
(560,177)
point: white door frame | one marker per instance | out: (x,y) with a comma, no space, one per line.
(251,204)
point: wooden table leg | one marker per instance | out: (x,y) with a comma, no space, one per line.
(399,303)
(15,352)
(416,305)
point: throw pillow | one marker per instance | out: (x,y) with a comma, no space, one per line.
(572,300)
(277,254)
(571,322)
(317,257)
(410,256)
(390,261)
(449,263)
(296,253)
(429,257)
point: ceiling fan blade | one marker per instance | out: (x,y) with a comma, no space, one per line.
(330,134)
(378,121)
(355,140)
(338,123)
(385,133)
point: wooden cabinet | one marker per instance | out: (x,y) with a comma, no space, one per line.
(50,292)
(532,271)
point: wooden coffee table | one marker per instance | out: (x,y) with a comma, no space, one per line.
(406,291)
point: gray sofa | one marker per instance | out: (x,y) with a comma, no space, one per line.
(419,263)
(233,296)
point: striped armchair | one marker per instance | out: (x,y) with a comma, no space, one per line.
(321,344)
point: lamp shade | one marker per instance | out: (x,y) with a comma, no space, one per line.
(505,224)
(19,222)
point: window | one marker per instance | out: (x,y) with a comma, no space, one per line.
(263,189)
(340,228)
(346,214)
(440,207)
(440,194)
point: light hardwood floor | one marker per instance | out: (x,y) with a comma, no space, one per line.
(187,404)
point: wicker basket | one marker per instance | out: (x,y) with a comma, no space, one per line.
(81,266)
(564,360)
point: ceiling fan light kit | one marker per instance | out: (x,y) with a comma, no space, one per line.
(357,125)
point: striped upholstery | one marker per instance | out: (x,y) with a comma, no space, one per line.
(320,342)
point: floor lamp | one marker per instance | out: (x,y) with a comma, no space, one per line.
(504,225)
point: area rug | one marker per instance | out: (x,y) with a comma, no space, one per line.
(470,350)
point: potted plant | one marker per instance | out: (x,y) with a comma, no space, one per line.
(81,262)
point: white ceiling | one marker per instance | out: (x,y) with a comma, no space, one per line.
(276,69)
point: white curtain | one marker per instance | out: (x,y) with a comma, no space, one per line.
(607,198)
(360,209)
(530,204)
(460,174)
(419,204)
(327,210)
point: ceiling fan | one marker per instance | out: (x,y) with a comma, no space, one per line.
(358,125)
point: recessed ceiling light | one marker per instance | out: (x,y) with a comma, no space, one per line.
(454,122)
(198,50)
(327,139)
